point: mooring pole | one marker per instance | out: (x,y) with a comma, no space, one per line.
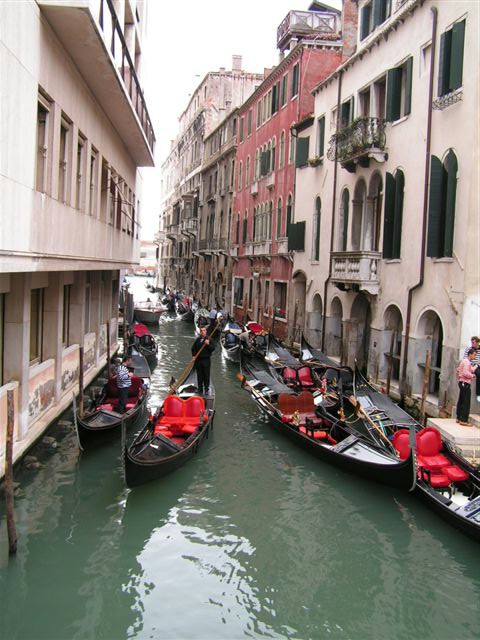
(108,346)
(390,363)
(426,378)
(80,383)
(11,529)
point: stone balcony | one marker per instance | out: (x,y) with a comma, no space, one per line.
(262,248)
(364,139)
(357,270)
(308,24)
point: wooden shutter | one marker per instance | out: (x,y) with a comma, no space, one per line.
(244,238)
(296,236)
(451,190)
(398,214)
(444,63)
(456,59)
(365,22)
(377,12)
(321,136)
(301,158)
(394,87)
(274,98)
(408,66)
(435,208)
(388,216)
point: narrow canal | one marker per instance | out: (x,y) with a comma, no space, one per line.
(253,538)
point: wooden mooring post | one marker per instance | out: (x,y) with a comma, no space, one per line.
(80,383)
(11,529)
(426,378)
(390,364)
(108,346)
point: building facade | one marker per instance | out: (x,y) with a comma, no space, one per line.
(389,277)
(75,129)
(264,230)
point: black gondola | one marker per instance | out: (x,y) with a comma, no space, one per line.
(102,423)
(141,339)
(230,340)
(172,436)
(448,483)
(309,421)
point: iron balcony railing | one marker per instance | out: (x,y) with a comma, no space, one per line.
(118,47)
(361,136)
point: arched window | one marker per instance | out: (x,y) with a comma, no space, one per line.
(269,220)
(392,223)
(289,210)
(274,148)
(316,230)
(237,230)
(343,230)
(441,210)
(240,176)
(244,231)
(257,164)
(247,171)
(279,218)
(281,159)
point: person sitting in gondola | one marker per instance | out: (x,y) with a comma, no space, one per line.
(204,348)
(124,380)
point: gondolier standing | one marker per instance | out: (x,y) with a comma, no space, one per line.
(124,381)
(204,348)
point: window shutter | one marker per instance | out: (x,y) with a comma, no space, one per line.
(456,61)
(365,18)
(435,208)
(296,236)
(407,107)
(321,136)
(394,80)
(263,163)
(444,63)
(452,167)
(244,239)
(274,98)
(345,114)
(398,216)
(302,152)
(377,12)
(389,217)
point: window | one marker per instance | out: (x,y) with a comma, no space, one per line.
(279,218)
(346,112)
(238,292)
(379,92)
(240,177)
(321,137)
(392,225)
(247,171)
(291,149)
(249,123)
(289,211)
(280,299)
(302,151)
(81,157)
(43,147)
(399,91)
(272,157)
(343,220)
(316,231)
(64,166)
(441,211)
(281,159)
(259,113)
(242,125)
(244,230)
(93,182)
(250,293)
(267,294)
(237,230)
(36,325)
(450,60)
(364,102)
(294,81)
(372,15)
(66,315)
(275,92)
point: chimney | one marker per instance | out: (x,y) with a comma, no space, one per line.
(349,28)
(236,63)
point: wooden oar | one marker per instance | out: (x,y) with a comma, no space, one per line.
(174,386)
(363,414)
(254,392)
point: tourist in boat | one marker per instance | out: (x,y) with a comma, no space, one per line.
(465,374)
(124,380)
(204,348)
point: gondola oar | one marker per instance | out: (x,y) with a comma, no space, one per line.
(255,393)
(174,385)
(363,414)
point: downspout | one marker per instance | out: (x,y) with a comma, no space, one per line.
(403,383)
(334,198)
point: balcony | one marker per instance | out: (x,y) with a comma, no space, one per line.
(321,25)
(173,232)
(356,270)
(270,181)
(188,226)
(362,140)
(91,35)
(262,248)
(254,188)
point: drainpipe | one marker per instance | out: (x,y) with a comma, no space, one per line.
(334,198)
(426,189)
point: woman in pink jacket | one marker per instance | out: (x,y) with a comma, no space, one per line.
(465,375)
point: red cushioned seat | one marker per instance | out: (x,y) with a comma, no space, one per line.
(289,375)
(194,406)
(173,406)
(188,429)
(429,444)
(305,377)
(455,473)
(318,435)
(106,405)
(401,442)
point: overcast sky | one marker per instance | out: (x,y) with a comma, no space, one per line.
(184,41)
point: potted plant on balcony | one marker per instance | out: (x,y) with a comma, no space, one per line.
(315,161)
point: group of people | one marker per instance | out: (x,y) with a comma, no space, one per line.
(467,371)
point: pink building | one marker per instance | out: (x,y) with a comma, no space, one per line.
(264,233)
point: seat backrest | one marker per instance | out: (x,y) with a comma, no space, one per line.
(112,389)
(289,403)
(135,387)
(194,406)
(289,374)
(231,339)
(305,375)
(401,442)
(173,406)
(429,441)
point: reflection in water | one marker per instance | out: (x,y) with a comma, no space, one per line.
(252,538)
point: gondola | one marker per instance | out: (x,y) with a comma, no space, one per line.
(201,319)
(230,340)
(447,482)
(144,342)
(102,423)
(308,420)
(172,436)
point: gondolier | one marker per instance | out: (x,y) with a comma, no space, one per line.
(124,381)
(204,348)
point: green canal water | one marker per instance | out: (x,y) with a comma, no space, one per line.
(253,538)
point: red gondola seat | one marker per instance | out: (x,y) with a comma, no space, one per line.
(181,417)
(305,379)
(401,442)
(289,376)
(429,444)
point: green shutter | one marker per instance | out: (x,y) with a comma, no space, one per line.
(456,60)
(377,12)
(388,217)
(274,98)
(365,24)
(408,66)
(398,215)
(296,236)
(321,136)
(301,157)
(394,87)
(452,167)
(444,63)
(435,208)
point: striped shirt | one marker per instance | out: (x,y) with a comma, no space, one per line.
(123,377)
(476,359)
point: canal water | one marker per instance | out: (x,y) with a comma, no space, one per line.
(253,538)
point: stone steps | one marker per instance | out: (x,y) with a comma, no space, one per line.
(465,439)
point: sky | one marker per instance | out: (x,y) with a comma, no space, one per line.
(184,41)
